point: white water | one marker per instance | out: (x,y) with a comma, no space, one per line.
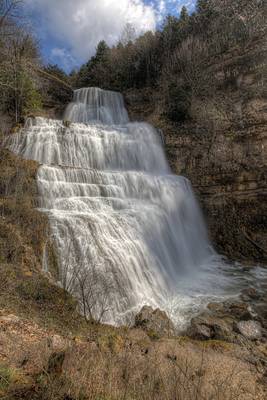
(127,231)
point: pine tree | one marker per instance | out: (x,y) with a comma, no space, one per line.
(101,52)
(184,14)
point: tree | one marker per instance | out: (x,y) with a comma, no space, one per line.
(101,53)
(184,16)
(202,6)
(57,84)
(128,34)
(18,79)
(8,10)
(94,72)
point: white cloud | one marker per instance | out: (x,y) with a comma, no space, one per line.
(76,26)
(70,30)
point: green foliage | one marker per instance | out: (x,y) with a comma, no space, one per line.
(179,103)
(6,377)
(18,81)
(184,16)
(90,74)
(153,335)
(58,84)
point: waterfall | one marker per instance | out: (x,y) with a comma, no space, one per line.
(97,105)
(127,231)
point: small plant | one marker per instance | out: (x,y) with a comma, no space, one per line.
(7,376)
(153,335)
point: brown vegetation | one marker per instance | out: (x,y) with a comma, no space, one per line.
(121,364)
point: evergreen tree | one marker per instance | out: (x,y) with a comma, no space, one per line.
(101,52)
(184,14)
(89,73)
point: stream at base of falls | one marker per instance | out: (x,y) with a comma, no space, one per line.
(127,231)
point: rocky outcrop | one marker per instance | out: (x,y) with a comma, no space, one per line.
(251,330)
(224,156)
(228,172)
(155,322)
(206,326)
(227,321)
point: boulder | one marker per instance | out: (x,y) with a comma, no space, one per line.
(250,294)
(207,326)
(56,342)
(154,321)
(66,123)
(238,310)
(232,309)
(251,330)
(199,330)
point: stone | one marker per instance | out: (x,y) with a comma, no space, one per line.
(216,308)
(207,326)
(154,321)
(232,309)
(261,310)
(67,123)
(238,310)
(250,294)
(199,331)
(251,330)
(57,342)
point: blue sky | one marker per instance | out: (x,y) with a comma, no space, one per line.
(69,30)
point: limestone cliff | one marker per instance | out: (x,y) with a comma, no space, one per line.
(223,152)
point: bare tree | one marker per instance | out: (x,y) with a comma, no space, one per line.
(128,34)
(9,9)
(90,283)
(95,292)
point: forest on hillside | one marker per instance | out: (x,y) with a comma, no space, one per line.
(177,62)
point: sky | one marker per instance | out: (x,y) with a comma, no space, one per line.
(69,30)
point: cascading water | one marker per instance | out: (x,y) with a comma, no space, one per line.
(127,231)
(97,105)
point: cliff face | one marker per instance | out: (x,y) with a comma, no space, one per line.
(228,171)
(225,159)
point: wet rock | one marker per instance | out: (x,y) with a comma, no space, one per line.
(232,309)
(251,330)
(67,123)
(250,294)
(217,308)
(207,326)
(155,321)
(261,310)
(238,310)
(199,331)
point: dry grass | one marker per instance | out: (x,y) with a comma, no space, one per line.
(123,364)
(162,371)
(23,229)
